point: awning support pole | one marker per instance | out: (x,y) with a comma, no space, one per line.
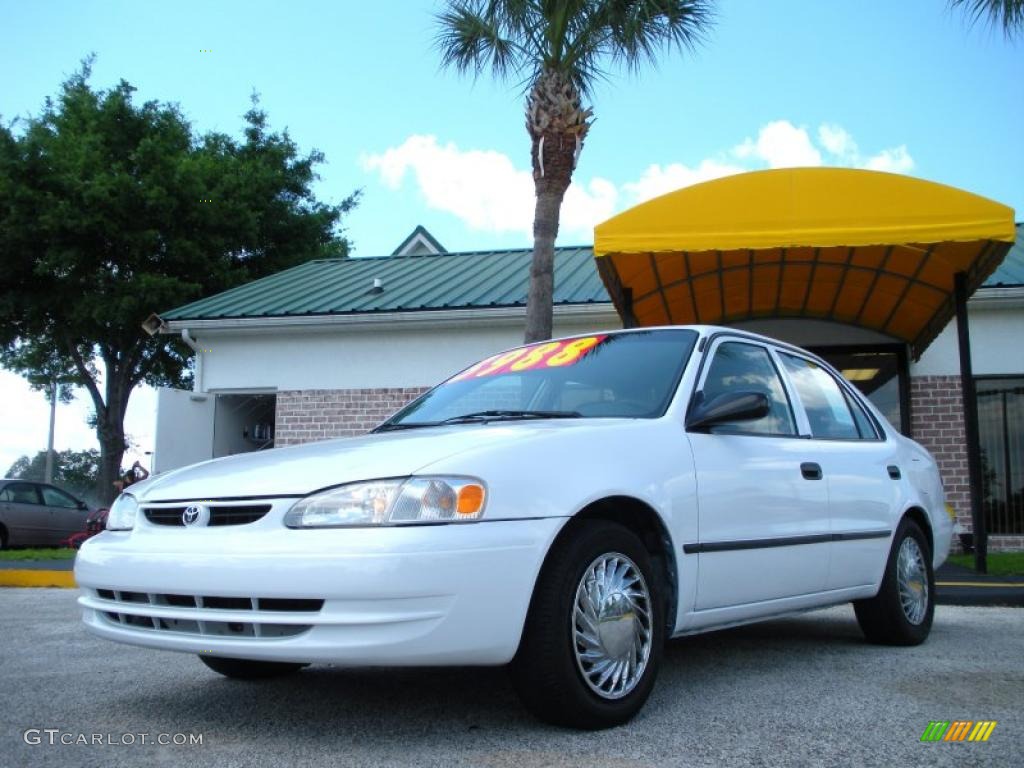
(970,404)
(621,296)
(628,318)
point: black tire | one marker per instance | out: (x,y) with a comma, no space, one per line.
(883,618)
(3,538)
(247,669)
(546,672)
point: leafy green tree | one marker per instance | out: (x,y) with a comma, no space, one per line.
(74,471)
(1007,14)
(111,210)
(560,48)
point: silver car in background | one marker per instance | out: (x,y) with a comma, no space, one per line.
(38,514)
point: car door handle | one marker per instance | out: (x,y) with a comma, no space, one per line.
(894,472)
(811,470)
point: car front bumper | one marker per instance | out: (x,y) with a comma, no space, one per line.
(414,595)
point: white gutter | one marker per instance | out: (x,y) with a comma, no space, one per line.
(603,312)
(1009,298)
(422,318)
(197,373)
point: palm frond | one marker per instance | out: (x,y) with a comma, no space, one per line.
(639,30)
(470,38)
(1008,14)
(573,37)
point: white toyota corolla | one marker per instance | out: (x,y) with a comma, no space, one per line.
(563,507)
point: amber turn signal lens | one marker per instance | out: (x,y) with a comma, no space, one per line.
(471,499)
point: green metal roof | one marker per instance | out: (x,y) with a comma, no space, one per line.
(478,279)
(1011,272)
(473,280)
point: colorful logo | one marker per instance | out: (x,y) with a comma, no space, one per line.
(958,730)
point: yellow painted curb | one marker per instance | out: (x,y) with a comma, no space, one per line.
(36,578)
(1003,585)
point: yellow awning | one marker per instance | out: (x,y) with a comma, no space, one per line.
(871,249)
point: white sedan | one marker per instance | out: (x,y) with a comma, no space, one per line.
(563,507)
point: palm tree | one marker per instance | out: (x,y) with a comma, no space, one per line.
(560,49)
(1008,14)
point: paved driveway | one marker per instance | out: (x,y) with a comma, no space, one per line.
(801,691)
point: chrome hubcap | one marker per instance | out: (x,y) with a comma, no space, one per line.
(611,625)
(912,577)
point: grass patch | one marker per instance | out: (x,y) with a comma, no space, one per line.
(999,563)
(65,553)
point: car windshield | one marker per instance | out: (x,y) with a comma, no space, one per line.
(628,375)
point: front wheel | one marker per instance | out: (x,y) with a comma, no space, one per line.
(247,669)
(901,613)
(593,638)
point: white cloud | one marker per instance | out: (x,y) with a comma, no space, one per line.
(780,144)
(484,188)
(837,141)
(658,179)
(488,192)
(896,160)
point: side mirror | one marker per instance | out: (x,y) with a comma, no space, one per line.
(728,407)
(82,505)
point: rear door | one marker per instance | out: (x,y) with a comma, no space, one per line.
(66,517)
(26,519)
(763,521)
(860,469)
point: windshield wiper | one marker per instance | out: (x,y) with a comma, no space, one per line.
(408,425)
(483,416)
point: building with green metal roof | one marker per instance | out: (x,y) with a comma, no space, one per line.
(332,347)
(434,281)
(443,281)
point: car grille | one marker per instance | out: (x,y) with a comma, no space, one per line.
(194,606)
(219,515)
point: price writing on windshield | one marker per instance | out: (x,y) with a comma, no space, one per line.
(549,354)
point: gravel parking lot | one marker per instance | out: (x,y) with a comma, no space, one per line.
(798,691)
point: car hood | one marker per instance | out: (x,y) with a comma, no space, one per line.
(302,469)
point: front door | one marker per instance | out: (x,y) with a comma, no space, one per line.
(762,510)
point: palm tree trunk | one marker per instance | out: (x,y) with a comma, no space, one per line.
(539,307)
(554,157)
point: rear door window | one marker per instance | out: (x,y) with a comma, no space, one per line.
(824,402)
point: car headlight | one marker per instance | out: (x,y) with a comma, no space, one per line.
(122,513)
(391,502)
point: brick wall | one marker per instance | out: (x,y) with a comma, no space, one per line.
(936,416)
(318,414)
(937,423)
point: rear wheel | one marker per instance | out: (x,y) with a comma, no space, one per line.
(901,613)
(593,638)
(247,669)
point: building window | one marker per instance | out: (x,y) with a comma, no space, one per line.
(1001,433)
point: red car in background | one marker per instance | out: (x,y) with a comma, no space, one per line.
(94,523)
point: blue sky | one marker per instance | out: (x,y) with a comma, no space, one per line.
(906,86)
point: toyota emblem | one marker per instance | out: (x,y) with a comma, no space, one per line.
(192,515)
